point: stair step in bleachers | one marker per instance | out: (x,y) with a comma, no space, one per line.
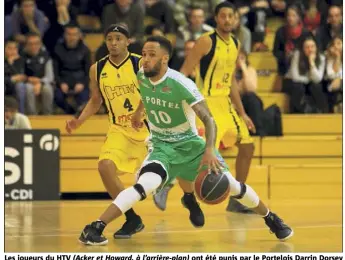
(263,61)
(330,124)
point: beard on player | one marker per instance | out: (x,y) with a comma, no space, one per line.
(225,28)
(154,71)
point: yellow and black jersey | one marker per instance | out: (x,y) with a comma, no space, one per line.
(119,87)
(214,73)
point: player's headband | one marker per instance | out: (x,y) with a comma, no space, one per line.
(117,28)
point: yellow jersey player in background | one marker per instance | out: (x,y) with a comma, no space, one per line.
(213,59)
(113,82)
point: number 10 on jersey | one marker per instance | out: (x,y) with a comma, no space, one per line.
(161,116)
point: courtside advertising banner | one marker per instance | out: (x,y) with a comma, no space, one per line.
(32,165)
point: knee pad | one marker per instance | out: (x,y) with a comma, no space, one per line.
(248,196)
(155,168)
(140,189)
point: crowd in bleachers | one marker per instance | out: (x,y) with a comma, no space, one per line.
(47,59)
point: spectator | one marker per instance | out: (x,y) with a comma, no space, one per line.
(14,74)
(305,75)
(14,119)
(182,8)
(333,27)
(257,22)
(193,30)
(287,38)
(158,12)
(242,33)
(315,14)
(334,72)
(60,13)
(132,14)
(247,81)
(40,75)
(71,66)
(28,19)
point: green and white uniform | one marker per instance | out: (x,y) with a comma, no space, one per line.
(174,141)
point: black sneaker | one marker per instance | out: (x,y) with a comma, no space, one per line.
(130,227)
(278,227)
(92,234)
(196,216)
(236,207)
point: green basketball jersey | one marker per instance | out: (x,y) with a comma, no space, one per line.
(168,104)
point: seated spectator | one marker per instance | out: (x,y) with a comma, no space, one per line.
(159,12)
(193,30)
(314,15)
(182,9)
(72,61)
(59,13)
(130,13)
(257,22)
(14,119)
(40,75)
(333,27)
(242,33)
(27,19)
(334,72)
(247,82)
(14,74)
(288,37)
(305,75)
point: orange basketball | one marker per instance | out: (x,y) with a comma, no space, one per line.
(212,188)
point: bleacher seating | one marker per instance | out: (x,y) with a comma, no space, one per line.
(308,141)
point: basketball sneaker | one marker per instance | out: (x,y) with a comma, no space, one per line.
(129,228)
(160,198)
(236,207)
(278,227)
(196,216)
(92,234)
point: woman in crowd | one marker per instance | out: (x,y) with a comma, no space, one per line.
(305,77)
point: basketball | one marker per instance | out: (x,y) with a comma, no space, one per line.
(211,188)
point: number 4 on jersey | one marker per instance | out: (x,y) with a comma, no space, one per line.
(128,105)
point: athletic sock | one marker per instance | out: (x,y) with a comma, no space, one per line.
(130,214)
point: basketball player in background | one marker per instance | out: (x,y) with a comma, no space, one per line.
(177,152)
(214,59)
(113,81)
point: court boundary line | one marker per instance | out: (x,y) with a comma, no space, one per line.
(9,236)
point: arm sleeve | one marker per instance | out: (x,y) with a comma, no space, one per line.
(15,19)
(41,23)
(278,48)
(295,75)
(189,92)
(316,74)
(48,73)
(24,123)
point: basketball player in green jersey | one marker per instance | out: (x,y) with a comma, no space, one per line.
(176,151)
(213,60)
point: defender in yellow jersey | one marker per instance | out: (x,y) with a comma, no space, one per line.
(213,59)
(113,82)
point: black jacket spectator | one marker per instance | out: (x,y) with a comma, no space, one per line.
(72,65)
(10,70)
(160,13)
(334,28)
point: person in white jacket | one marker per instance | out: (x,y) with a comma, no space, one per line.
(305,77)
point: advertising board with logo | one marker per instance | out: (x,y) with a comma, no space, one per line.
(32,165)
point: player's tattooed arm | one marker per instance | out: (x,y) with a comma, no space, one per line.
(202,111)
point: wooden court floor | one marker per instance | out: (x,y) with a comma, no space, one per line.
(55,227)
